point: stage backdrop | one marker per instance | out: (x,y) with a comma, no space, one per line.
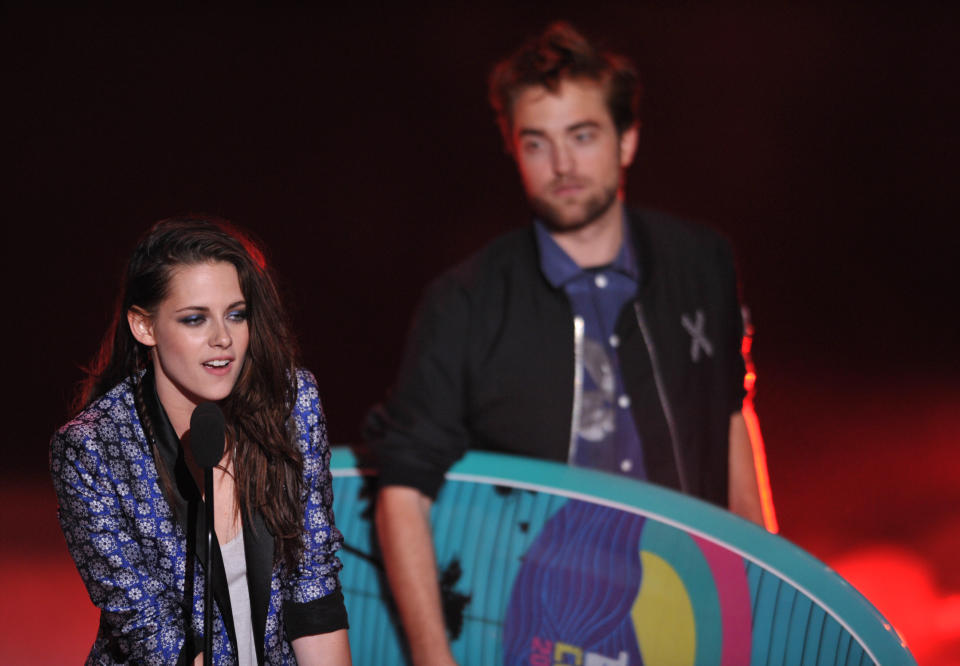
(544,564)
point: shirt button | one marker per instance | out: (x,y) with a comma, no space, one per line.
(624,401)
(626,465)
(600,280)
(614,340)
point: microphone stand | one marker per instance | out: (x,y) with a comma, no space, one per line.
(207,585)
(207,430)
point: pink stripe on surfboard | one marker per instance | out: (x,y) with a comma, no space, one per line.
(733,590)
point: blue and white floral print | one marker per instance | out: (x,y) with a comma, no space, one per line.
(131,551)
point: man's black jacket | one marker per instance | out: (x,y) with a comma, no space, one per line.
(489,363)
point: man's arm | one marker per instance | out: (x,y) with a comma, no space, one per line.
(748,480)
(416,435)
(403,527)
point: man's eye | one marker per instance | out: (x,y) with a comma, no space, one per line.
(583,137)
(532,146)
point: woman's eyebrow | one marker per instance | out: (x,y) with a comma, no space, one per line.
(204,308)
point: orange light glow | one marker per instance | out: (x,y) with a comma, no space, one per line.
(760,465)
(753,429)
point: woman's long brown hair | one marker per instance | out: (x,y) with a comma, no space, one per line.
(268,466)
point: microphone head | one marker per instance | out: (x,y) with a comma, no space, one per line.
(207,434)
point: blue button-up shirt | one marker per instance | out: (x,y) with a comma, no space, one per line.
(607,436)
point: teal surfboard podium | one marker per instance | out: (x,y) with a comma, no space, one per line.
(542,564)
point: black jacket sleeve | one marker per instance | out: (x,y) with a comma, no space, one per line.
(734,367)
(420,431)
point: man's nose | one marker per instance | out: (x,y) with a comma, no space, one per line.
(562,160)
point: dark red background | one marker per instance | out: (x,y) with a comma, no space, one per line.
(358,146)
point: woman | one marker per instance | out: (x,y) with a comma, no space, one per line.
(200,320)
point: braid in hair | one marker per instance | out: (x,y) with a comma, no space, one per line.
(166,483)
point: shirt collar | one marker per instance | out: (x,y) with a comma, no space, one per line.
(559,268)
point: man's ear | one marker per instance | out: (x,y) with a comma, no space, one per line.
(141,325)
(628,144)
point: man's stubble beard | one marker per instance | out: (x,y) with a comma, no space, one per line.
(594,208)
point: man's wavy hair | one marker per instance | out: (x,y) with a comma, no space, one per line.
(558,54)
(268,466)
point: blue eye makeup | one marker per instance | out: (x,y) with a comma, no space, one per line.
(192,320)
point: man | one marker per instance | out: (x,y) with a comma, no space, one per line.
(599,337)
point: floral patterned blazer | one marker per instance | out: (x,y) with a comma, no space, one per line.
(142,560)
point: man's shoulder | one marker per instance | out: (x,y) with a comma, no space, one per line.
(662,227)
(515,249)
(665,239)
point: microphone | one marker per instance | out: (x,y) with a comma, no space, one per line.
(207,430)
(207,434)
